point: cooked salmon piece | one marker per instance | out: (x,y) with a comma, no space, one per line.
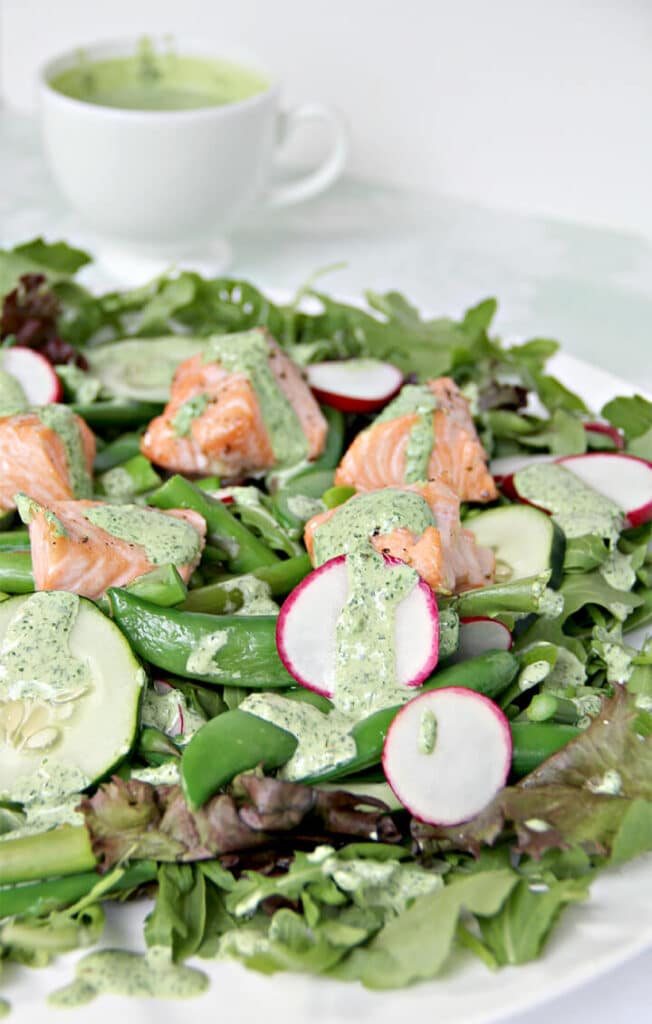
(445,554)
(215,422)
(378,455)
(33,460)
(71,553)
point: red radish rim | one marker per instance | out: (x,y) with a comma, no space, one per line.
(614,433)
(465,692)
(290,600)
(57,388)
(353,403)
(637,516)
(494,622)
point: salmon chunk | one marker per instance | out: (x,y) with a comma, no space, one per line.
(71,553)
(237,410)
(444,554)
(378,456)
(34,460)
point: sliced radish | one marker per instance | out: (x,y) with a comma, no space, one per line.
(608,431)
(34,373)
(446,754)
(479,635)
(355,385)
(306,629)
(625,479)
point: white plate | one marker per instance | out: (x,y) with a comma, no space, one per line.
(614,925)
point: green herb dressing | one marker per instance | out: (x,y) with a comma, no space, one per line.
(369,514)
(575,507)
(617,570)
(304,507)
(323,740)
(63,421)
(256,596)
(116,972)
(12,397)
(248,353)
(188,412)
(415,399)
(42,815)
(27,508)
(202,660)
(117,483)
(412,398)
(164,710)
(167,540)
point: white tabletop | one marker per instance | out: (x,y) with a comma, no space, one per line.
(588,288)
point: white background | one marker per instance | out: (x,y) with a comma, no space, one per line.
(538,106)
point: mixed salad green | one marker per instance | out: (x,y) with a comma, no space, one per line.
(328,874)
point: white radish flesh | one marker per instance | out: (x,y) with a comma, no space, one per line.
(306,630)
(355,385)
(446,755)
(34,373)
(479,635)
(624,479)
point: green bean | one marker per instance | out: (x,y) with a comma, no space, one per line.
(155,746)
(42,897)
(281,579)
(546,707)
(117,413)
(227,745)
(16,572)
(117,452)
(534,742)
(243,551)
(14,540)
(244,647)
(62,851)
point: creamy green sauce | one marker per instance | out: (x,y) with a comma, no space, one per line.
(166,539)
(12,397)
(256,596)
(617,570)
(365,664)
(35,657)
(412,398)
(248,353)
(188,412)
(63,421)
(575,507)
(201,661)
(427,732)
(568,670)
(27,508)
(117,483)
(164,710)
(117,972)
(323,740)
(419,448)
(304,507)
(369,514)
(383,883)
(449,632)
(42,815)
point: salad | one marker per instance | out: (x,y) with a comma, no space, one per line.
(314,628)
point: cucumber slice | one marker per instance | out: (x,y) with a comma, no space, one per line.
(57,736)
(525,541)
(142,368)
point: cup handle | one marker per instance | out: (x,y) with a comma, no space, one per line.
(331,167)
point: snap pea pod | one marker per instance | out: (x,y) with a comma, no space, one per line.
(534,742)
(238,650)
(37,898)
(162,586)
(135,476)
(243,552)
(117,413)
(14,540)
(221,759)
(281,579)
(16,572)
(234,742)
(61,851)
(117,452)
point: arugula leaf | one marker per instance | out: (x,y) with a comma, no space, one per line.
(631,415)
(518,932)
(416,944)
(54,256)
(179,915)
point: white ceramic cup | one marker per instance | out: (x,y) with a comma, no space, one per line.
(163,179)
